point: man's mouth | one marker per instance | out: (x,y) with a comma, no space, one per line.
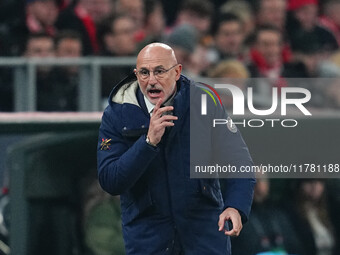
(154,92)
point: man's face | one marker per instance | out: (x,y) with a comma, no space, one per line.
(156,21)
(313,190)
(121,41)
(269,45)
(69,48)
(272,12)
(135,8)
(153,87)
(229,38)
(40,47)
(124,30)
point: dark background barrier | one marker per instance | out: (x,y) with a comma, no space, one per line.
(51,164)
(48,174)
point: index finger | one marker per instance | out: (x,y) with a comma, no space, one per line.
(158,105)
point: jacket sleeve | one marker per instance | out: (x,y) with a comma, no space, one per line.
(238,194)
(232,150)
(224,146)
(229,149)
(120,166)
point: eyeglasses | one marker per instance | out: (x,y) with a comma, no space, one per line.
(159,73)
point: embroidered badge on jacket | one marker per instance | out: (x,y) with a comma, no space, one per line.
(105,145)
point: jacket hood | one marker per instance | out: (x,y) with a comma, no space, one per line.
(125,91)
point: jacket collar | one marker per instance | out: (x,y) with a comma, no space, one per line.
(139,123)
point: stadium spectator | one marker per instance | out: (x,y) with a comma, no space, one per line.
(230,71)
(274,13)
(232,68)
(269,228)
(271,12)
(184,41)
(327,91)
(135,9)
(312,219)
(266,53)
(229,37)
(154,23)
(56,87)
(309,62)
(308,58)
(305,58)
(116,37)
(331,18)
(243,10)
(84,17)
(68,44)
(267,60)
(62,94)
(98,9)
(303,28)
(197,13)
(102,224)
(41,16)
(40,45)
(38,16)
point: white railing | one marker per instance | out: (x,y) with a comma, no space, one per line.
(89,87)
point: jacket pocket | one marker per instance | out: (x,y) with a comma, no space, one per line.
(133,208)
(210,189)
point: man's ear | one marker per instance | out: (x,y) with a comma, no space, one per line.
(178,70)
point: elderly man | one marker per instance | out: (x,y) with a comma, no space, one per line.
(144,156)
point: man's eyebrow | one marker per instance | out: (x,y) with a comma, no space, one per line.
(157,67)
(160,66)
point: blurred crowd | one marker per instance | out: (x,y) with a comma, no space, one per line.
(273,39)
(302,220)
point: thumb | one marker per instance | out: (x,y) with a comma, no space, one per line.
(221,223)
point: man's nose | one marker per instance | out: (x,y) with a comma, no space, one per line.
(152,78)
